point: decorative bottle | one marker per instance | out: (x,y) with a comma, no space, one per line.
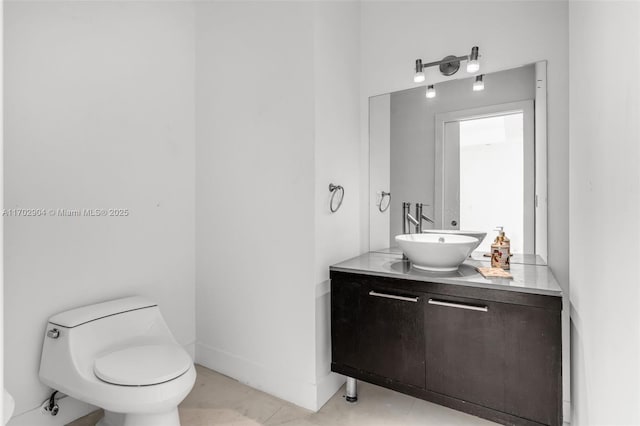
(501,250)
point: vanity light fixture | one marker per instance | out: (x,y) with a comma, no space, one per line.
(478,85)
(431,91)
(449,65)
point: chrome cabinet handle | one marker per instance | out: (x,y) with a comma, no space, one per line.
(458,305)
(393,296)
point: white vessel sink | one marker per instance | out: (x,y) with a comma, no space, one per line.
(475,234)
(436,252)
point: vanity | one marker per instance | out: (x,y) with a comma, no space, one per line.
(454,161)
(488,347)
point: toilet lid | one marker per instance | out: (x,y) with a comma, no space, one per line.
(143,365)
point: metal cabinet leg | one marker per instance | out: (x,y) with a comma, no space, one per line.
(352,390)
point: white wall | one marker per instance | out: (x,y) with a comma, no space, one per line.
(396,33)
(99,113)
(256,201)
(336,53)
(277,121)
(605,212)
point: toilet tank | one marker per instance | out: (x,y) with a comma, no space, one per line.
(73,339)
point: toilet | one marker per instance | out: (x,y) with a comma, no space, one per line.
(120,356)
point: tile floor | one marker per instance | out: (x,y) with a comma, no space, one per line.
(220,400)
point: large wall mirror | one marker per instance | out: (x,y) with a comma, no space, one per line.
(476,160)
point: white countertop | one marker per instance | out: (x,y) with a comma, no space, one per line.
(532,277)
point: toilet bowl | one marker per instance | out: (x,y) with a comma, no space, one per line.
(120,356)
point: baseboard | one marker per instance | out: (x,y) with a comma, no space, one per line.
(70,410)
(296,391)
(566,412)
(328,386)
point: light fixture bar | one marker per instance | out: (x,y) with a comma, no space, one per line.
(449,65)
(446,60)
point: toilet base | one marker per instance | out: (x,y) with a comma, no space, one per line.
(167,418)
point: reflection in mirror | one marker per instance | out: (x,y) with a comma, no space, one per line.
(498,140)
(475,159)
(482,178)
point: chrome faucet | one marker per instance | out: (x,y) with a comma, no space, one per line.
(405,214)
(416,221)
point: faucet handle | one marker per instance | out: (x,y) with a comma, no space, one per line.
(428,219)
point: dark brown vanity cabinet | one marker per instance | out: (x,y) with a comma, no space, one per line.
(492,353)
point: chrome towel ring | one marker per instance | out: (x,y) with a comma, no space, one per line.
(334,189)
(382,197)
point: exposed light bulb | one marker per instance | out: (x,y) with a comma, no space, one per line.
(431,91)
(478,84)
(472,64)
(419,76)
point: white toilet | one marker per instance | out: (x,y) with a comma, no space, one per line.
(120,356)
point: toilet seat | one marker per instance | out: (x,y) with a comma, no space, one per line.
(142,365)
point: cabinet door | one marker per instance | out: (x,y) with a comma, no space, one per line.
(464,350)
(500,355)
(533,359)
(392,335)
